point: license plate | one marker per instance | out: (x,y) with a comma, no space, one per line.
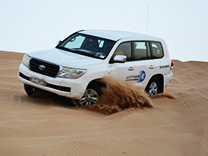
(38,81)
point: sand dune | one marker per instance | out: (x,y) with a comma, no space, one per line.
(49,126)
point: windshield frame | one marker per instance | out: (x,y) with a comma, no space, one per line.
(80,52)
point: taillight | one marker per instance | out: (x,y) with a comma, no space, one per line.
(172,64)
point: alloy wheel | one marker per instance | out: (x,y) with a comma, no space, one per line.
(90,97)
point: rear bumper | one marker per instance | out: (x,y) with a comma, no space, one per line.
(73,88)
(168,77)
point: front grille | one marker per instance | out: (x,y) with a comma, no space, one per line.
(44,68)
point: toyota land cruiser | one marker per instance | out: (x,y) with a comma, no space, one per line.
(75,66)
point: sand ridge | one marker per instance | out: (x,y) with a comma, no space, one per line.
(47,126)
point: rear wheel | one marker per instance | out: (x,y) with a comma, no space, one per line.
(31,91)
(153,87)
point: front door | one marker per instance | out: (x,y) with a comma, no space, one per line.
(123,71)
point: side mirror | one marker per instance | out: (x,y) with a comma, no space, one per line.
(58,42)
(120,58)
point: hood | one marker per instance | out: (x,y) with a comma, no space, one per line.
(65,58)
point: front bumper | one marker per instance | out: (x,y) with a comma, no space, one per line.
(73,88)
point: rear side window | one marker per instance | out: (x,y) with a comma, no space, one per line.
(141,50)
(157,51)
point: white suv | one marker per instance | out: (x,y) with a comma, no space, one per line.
(74,68)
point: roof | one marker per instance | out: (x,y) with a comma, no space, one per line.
(117,35)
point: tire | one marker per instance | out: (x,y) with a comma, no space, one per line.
(31,91)
(90,96)
(153,87)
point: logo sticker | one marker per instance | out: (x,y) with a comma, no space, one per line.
(142,76)
(138,78)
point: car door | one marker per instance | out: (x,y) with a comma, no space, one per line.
(123,71)
(162,63)
(144,67)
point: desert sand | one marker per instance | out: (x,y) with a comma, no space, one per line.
(48,126)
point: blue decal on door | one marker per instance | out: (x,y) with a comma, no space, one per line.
(142,76)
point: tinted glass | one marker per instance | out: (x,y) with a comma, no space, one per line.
(141,50)
(124,49)
(157,51)
(87,45)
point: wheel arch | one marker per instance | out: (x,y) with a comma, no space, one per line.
(97,81)
(160,79)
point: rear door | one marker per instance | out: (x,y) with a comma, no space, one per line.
(162,63)
(144,67)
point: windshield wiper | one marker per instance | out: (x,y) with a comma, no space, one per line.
(84,53)
(78,52)
(67,49)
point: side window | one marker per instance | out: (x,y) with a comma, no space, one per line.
(157,51)
(141,50)
(124,49)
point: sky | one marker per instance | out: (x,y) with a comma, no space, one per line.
(33,25)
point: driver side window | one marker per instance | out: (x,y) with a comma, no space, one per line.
(124,49)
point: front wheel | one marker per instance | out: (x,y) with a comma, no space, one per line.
(91,95)
(153,87)
(31,91)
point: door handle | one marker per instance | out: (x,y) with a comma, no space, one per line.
(151,67)
(131,69)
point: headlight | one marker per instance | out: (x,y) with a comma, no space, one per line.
(71,73)
(26,60)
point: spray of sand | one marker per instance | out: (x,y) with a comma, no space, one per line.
(164,95)
(120,95)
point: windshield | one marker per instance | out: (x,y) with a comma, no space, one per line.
(87,45)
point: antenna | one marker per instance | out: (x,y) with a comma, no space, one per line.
(147,24)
